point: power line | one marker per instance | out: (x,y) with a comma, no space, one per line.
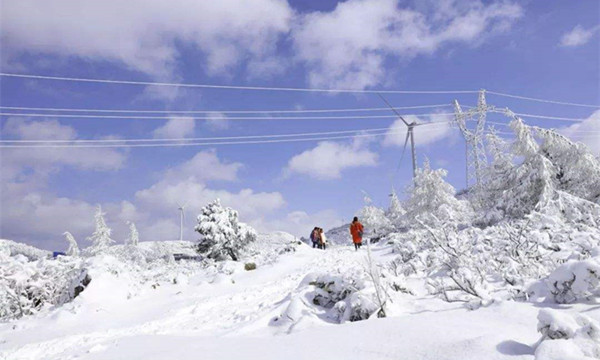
(86,116)
(194,139)
(205,143)
(550,117)
(266,88)
(220,111)
(150,117)
(542,100)
(67,141)
(572,132)
(180,144)
(233,87)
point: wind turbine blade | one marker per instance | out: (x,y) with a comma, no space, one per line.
(404,148)
(394,110)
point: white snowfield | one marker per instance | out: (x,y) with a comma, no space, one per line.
(267,314)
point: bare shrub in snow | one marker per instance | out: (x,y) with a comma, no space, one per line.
(375,274)
(223,237)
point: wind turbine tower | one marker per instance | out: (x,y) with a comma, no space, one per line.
(409,134)
(181,209)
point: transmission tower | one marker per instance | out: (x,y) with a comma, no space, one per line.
(476,159)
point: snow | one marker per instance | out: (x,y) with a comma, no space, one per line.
(225,312)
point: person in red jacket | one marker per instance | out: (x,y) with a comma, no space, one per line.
(356,229)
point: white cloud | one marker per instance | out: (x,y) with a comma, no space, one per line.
(165,196)
(186,183)
(30,212)
(217,121)
(38,215)
(347,47)
(160,202)
(587,132)
(40,162)
(142,34)
(328,159)
(423,135)
(204,166)
(578,36)
(28,209)
(176,127)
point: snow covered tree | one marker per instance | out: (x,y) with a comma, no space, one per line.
(431,198)
(395,213)
(134,236)
(375,222)
(100,239)
(73,249)
(554,175)
(577,170)
(223,237)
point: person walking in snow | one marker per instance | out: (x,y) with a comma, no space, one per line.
(323,239)
(356,229)
(314,237)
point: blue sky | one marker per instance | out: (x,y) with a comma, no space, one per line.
(546,50)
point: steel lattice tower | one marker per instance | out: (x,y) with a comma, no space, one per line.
(475,148)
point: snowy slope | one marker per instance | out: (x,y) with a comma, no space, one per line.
(224,312)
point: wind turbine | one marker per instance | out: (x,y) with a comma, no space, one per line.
(181,209)
(409,134)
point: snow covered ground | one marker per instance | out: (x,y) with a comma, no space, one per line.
(229,313)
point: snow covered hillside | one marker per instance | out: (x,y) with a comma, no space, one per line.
(511,271)
(222,311)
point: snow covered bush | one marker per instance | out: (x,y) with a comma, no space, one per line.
(345,296)
(12,248)
(566,336)
(575,280)
(28,286)
(223,237)
(570,282)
